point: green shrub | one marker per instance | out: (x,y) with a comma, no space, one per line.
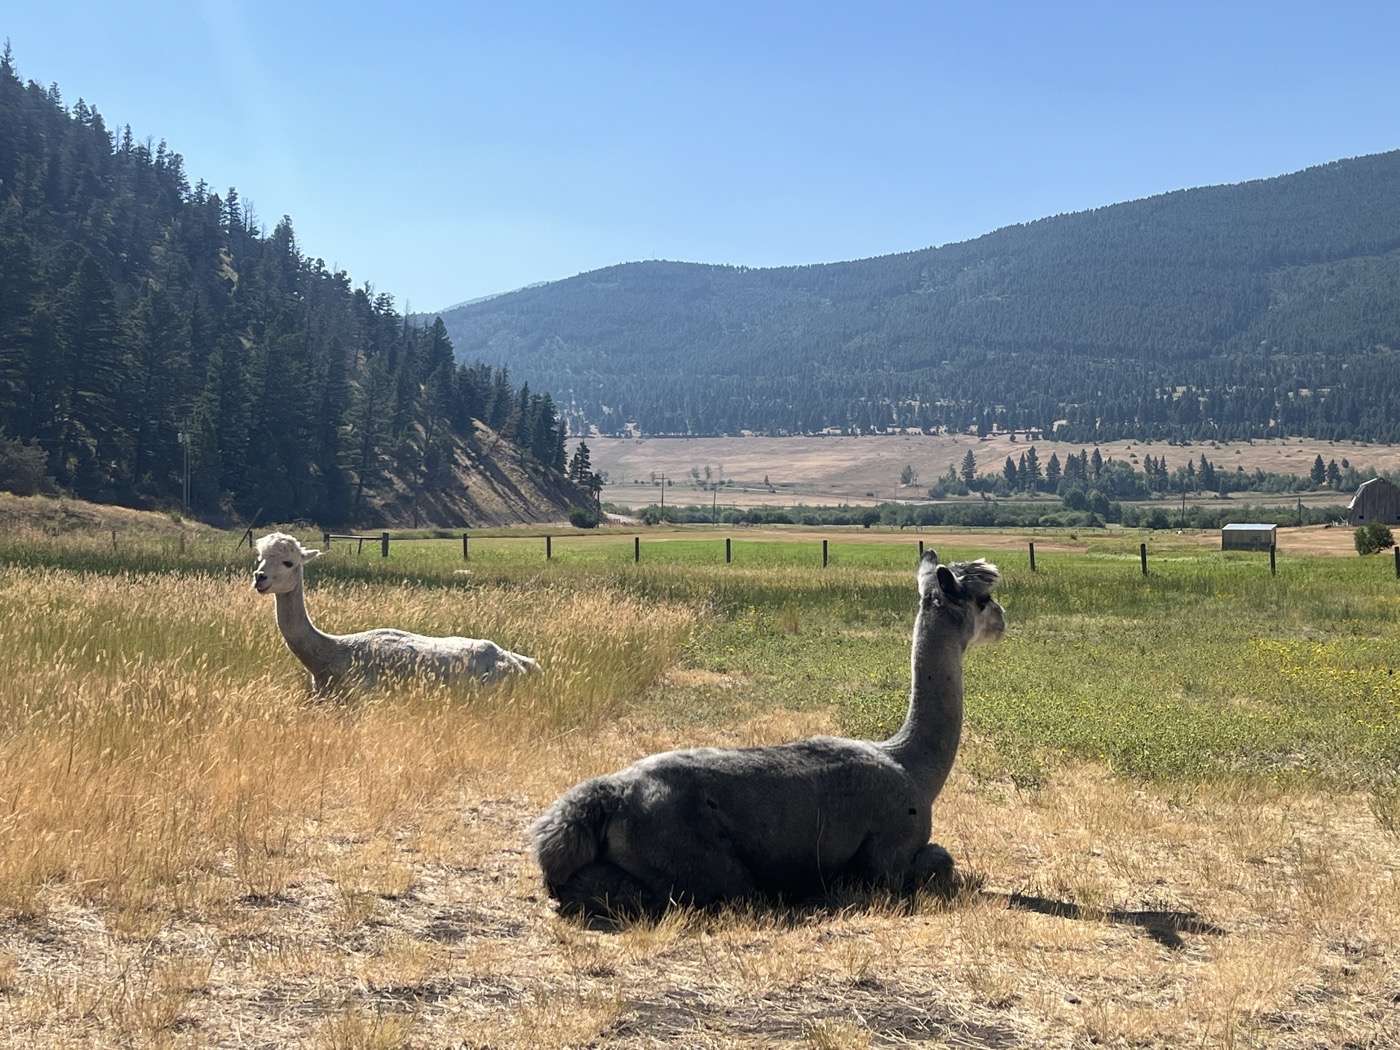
(21,467)
(583,518)
(1373,537)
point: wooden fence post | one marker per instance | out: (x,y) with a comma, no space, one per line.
(1032,546)
(548,548)
(383,544)
(636,550)
(1142,553)
(325,539)
(921,549)
(1273,568)
(728,553)
(1397,562)
(823,554)
(114,541)
(466,551)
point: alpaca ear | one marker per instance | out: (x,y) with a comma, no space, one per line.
(948,584)
(309,555)
(927,564)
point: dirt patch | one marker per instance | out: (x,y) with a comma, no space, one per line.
(700,678)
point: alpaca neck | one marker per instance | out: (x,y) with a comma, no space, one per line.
(312,647)
(927,743)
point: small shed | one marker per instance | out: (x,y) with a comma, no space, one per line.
(1376,500)
(1248,537)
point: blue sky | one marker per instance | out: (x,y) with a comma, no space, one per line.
(447,150)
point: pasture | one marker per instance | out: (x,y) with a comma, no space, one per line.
(863,470)
(1177,797)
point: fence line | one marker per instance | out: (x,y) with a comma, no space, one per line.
(385,539)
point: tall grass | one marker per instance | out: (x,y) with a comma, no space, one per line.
(157,744)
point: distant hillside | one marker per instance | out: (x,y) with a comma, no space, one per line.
(143,319)
(492,481)
(1260,309)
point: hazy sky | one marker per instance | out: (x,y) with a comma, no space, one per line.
(444,150)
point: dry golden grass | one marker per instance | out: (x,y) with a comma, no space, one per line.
(192,854)
(57,516)
(829,469)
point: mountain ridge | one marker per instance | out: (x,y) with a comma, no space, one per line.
(1193,276)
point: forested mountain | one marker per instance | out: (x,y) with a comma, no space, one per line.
(1264,308)
(138,311)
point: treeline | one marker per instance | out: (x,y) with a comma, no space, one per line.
(1265,309)
(990,514)
(1122,480)
(143,318)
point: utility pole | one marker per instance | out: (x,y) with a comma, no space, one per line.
(184,438)
(663,491)
(714,498)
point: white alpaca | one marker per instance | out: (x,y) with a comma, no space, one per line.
(337,660)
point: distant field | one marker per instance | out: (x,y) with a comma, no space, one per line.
(849,469)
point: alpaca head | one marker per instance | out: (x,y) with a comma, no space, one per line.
(280,558)
(960,596)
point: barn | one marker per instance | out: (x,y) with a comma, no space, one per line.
(1376,500)
(1248,537)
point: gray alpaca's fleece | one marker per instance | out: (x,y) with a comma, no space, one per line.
(339,660)
(788,822)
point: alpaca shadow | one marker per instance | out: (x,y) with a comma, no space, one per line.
(1164,927)
(782,912)
(959,891)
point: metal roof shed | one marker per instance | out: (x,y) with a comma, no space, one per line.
(1246,536)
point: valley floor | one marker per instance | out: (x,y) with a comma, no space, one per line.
(866,470)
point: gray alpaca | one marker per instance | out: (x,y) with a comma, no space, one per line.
(339,660)
(788,822)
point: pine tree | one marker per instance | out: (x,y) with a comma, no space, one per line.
(1053,471)
(1319,472)
(559,460)
(580,467)
(1032,478)
(1009,472)
(969,468)
(1334,475)
(335,501)
(96,371)
(369,428)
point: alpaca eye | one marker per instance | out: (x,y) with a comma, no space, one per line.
(287,564)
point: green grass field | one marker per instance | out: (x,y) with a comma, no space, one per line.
(1207,667)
